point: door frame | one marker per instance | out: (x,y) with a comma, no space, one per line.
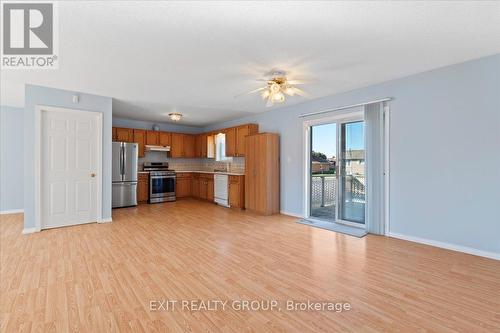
(38,159)
(348,115)
(356,112)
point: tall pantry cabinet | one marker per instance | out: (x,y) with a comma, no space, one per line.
(262,173)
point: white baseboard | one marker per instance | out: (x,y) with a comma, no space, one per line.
(106,220)
(448,246)
(30,230)
(284,212)
(11,211)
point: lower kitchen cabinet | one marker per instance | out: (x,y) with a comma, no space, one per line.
(143,187)
(195,185)
(236,191)
(183,185)
(210,189)
(206,186)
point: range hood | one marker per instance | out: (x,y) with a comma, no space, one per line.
(157,148)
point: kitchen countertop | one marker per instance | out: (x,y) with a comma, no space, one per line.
(214,172)
(198,171)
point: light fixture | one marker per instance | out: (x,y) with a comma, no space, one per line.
(277,87)
(279,97)
(174,116)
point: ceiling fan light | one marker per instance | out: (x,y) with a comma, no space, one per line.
(275,88)
(174,116)
(279,97)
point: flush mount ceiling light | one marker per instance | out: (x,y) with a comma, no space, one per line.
(174,116)
(277,87)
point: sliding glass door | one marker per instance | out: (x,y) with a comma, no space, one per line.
(351,176)
(337,171)
(322,165)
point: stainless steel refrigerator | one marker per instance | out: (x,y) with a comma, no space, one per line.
(125,156)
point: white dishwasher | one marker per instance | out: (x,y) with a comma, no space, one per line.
(221,190)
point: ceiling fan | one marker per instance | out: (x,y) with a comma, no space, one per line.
(277,87)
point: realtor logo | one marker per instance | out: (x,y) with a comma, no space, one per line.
(28,35)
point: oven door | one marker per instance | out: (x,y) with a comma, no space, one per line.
(160,186)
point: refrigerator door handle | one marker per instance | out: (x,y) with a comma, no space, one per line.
(124,161)
(122,164)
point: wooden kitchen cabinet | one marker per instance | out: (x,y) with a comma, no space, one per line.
(241,133)
(235,139)
(203,188)
(177,147)
(142,187)
(206,186)
(230,141)
(210,145)
(140,139)
(124,134)
(165,139)
(152,138)
(204,145)
(262,188)
(189,145)
(195,185)
(210,189)
(236,191)
(183,185)
(198,145)
(113,134)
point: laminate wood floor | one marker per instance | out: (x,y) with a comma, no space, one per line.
(103,277)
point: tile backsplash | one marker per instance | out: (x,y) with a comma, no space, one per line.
(236,164)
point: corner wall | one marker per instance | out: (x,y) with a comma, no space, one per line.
(11,159)
(37,95)
(444,151)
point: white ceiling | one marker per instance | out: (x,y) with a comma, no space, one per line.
(194,57)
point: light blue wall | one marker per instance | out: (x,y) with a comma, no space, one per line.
(37,95)
(147,125)
(445,151)
(11,158)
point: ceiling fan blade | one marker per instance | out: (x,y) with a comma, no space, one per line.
(250,92)
(299,92)
(295,82)
(269,102)
(292,91)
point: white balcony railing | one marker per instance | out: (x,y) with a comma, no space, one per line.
(324,190)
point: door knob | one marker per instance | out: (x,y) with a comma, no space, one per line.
(92,174)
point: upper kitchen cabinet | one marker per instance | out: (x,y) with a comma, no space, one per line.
(204,145)
(165,139)
(201,145)
(113,134)
(235,139)
(140,138)
(198,145)
(230,141)
(189,145)
(241,133)
(210,145)
(177,147)
(152,138)
(124,134)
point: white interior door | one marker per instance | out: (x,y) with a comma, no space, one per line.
(69,163)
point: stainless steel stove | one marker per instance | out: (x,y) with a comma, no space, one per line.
(161,182)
